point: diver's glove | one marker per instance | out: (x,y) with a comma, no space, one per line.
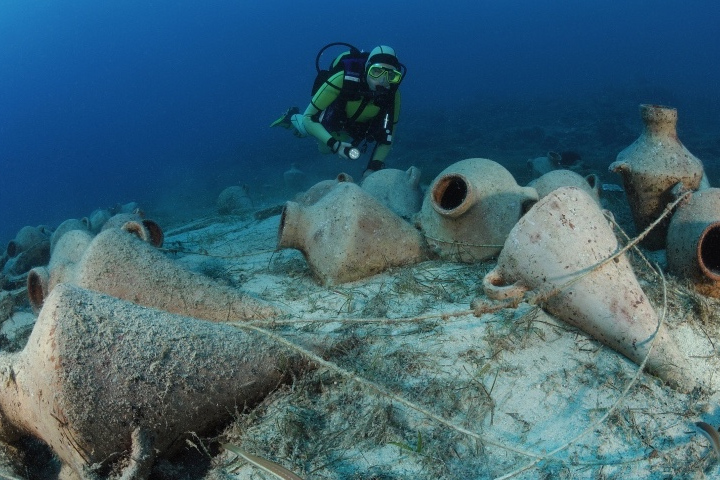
(341,148)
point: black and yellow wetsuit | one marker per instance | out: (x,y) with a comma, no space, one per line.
(360,115)
(354,103)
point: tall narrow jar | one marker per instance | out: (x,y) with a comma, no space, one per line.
(651,166)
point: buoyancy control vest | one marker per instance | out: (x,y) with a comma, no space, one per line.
(351,62)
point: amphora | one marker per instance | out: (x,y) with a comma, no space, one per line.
(652,166)
(470,208)
(108,384)
(693,241)
(558,250)
(348,235)
(567,178)
(313,194)
(120,264)
(396,189)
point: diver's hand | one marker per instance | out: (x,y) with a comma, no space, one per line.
(343,148)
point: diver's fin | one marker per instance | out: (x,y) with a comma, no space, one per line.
(284,120)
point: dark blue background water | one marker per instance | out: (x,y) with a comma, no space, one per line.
(105,102)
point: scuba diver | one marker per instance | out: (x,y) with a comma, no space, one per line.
(354,103)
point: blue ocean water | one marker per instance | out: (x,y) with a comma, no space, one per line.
(106,102)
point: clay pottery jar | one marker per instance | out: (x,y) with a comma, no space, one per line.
(320,189)
(118,263)
(67,226)
(97,219)
(145,229)
(233,200)
(130,207)
(651,166)
(470,208)
(396,189)
(294,179)
(26,238)
(29,248)
(554,251)
(541,165)
(108,384)
(68,253)
(348,235)
(567,178)
(16,267)
(693,241)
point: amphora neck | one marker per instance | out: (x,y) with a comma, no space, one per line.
(659,120)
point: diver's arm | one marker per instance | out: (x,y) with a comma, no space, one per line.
(326,95)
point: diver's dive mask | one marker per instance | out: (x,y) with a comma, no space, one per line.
(378,70)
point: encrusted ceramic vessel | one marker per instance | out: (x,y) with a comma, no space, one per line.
(27,237)
(97,219)
(555,251)
(396,189)
(652,166)
(470,208)
(294,178)
(29,248)
(313,194)
(145,229)
(110,386)
(693,241)
(233,200)
(539,166)
(567,178)
(118,263)
(348,234)
(67,226)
